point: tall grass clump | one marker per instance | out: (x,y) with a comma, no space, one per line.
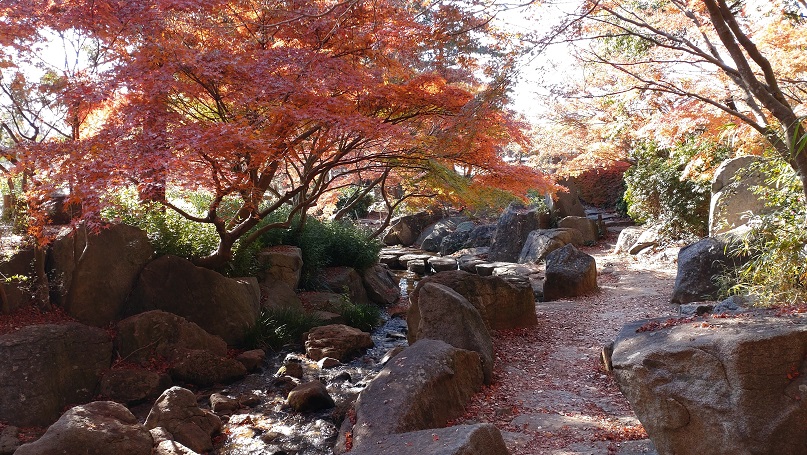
(278,327)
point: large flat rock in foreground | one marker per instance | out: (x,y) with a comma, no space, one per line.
(718,385)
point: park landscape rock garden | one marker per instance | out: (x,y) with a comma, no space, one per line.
(164,323)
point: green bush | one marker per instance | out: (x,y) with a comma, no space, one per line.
(276,328)
(325,244)
(169,232)
(776,273)
(363,316)
(661,188)
(362,208)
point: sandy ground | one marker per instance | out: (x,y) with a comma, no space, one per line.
(551,395)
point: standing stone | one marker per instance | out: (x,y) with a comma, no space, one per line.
(512,230)
(220,305)
(733,197)
(94,274)
(345,281)
(587,227)
(380,285)
(481,236)
(448,316)
(46,367)
(627,239)
(699,264)
(283,263)
(569,273)
(504,302)
(541,242)
(566,203)
(425,386)
(405,230)
(97,428)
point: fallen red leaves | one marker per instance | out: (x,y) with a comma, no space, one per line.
(621,434)
(31,315)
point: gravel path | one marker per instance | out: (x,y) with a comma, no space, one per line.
(550,394)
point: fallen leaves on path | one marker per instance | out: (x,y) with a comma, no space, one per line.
(550,394)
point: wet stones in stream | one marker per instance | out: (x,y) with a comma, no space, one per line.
(273,425)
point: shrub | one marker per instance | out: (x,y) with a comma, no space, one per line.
(276,328)
(363,316)
(776,272)
(361,208)
(325,244)
(169,232)
(671,186)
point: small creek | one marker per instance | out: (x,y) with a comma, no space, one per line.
(272,427)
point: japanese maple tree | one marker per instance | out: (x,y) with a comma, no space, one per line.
(270,104)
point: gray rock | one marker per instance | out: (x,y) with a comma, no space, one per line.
(204,369)
(153,334)
(432,236)
(481,236)
(222,404)
(310,397)
(512,230)
(97,428)
(405,230)
(220,305)
(133,385)
(541,242)
(94,274)
(569,273)
(9,440)
(566,203)
(53,365)
(448,316)
(627,239)
(425,386)
(732,385)
(587,227)
(699,264)
(479,439)
(456,240)
(381,286)
(439,264)
(338,341)
(282,263)
(345,281)
(177,411)
(16,292)
(733,199)
(504,303)
(650,237)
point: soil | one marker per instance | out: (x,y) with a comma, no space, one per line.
(551,394)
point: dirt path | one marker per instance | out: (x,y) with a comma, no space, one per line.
(550,395)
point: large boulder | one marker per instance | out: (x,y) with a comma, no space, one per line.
(733,196)
(47,367)
(512,229)
(405,230)
(205,369)
(566,203)
(97,428)
(133,385)
(178,412)
(456,240)
(699,264)
(310,397)
(627,239)
(569,273)
(337,341)
(380,285)
(427,385)
(448,316)
(587,227)
(282,263)
(17,269)
(432,236)
(541,242)
(94,273)
(220,305)
(731,385)
(156,334)
(503,302)
(346,281)
(481,236)
(478,439)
